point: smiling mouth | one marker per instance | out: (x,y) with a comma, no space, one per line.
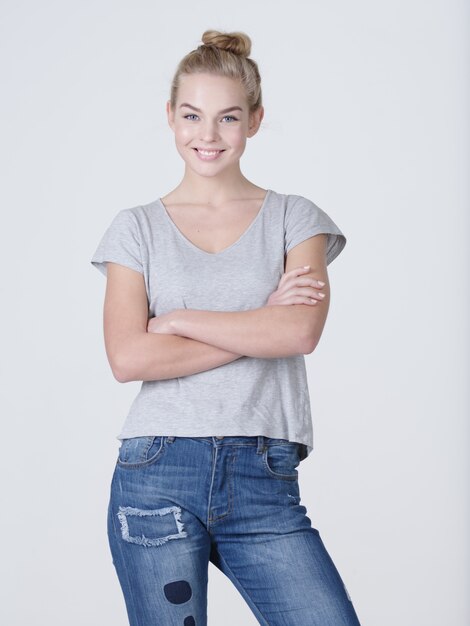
(207,152)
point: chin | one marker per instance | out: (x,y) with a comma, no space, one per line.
(207,174)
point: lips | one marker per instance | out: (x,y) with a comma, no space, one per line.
(203,154)
(206,152)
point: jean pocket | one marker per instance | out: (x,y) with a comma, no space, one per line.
(280,460)
(138,452)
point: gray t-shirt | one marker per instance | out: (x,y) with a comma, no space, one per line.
(249,396)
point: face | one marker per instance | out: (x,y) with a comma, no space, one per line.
(211,122)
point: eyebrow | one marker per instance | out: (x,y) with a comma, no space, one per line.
(190,106)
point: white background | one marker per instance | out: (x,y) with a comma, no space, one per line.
(367,115)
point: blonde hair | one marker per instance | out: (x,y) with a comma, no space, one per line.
(222,54)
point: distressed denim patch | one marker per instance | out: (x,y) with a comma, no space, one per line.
(151,527)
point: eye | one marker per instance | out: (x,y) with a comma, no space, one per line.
(231,117)
(190,115)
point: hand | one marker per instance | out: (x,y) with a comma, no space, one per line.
(293,288)
(161,324)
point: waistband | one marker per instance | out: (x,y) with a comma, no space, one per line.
(260,441)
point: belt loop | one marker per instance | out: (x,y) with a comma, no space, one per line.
(261,444)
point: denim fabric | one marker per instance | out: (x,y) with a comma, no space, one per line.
(177,503)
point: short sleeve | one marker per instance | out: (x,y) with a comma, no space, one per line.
(121,243)
(304,219)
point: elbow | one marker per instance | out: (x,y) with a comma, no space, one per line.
(308,341)
(120,373)
(132,364)
(312,330)
(307,346)
(121,377)
(120,366)
(125,359)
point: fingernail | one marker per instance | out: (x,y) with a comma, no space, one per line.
(306,267)
(321,283)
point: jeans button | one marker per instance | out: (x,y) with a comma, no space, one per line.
(218,437)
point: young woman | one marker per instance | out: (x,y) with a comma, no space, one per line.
(214,294)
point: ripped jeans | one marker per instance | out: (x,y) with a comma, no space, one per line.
(177,503)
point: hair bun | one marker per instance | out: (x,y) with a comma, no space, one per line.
(237,42)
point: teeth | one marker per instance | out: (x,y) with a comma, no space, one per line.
(208,152)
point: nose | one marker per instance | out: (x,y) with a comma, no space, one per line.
(209,131)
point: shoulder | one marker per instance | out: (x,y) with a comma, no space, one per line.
(139,217)
(296,207)
(138,211)
(127,215)
(294,201)
(298,203)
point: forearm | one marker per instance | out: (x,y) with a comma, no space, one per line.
(266,332)
(155,356)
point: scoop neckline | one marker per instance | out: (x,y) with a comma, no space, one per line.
(221,252)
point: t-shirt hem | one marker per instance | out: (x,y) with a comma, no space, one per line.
(100,264)
(131,433)
(336,242)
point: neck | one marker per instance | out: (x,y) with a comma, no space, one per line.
(214,190)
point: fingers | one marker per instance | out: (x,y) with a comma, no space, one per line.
(296,288)
(297,271)
(294,299)
(317,296)
(304,288)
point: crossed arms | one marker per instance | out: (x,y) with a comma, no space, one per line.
(188,341)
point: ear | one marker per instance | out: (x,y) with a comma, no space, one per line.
(255,121)
(170,115)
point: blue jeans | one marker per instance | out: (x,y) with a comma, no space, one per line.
(177,503)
